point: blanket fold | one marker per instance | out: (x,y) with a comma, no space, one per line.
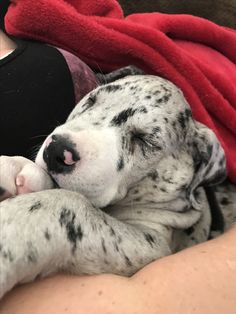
(195,54)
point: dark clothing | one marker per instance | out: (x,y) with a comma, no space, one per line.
(36,94)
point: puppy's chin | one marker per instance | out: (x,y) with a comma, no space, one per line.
(109,197)
(119,195)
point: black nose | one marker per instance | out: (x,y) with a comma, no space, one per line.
(60,155)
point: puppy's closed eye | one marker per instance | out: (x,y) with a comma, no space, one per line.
(144,140)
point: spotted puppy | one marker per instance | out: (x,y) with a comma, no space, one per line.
(129,164)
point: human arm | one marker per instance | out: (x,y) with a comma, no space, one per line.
(6,44)
(201,279)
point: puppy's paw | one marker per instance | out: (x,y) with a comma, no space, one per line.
(19,175)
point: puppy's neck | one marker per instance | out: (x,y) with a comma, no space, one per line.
(163,188)
(161,198)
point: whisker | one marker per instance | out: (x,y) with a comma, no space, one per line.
(37,136)
(34,150)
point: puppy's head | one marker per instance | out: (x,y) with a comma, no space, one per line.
(121,132)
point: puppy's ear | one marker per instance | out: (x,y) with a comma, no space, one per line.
(117,74)
(209,160)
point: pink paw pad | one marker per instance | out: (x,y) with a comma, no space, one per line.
(21,186)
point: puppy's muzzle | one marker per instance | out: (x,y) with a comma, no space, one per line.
(60,154)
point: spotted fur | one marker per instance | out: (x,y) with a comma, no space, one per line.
(130,163)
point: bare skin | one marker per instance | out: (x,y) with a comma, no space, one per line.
(6,44)
(201,279)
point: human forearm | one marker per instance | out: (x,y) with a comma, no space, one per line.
(201,279)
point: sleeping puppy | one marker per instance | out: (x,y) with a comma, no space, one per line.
(129,165)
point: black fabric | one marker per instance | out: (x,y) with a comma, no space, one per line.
(36,94)
(3,9)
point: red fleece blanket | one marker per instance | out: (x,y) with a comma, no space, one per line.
(197,55)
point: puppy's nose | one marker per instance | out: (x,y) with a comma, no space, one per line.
(60,154)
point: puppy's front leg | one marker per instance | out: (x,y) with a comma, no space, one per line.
(45,232)
(19,175)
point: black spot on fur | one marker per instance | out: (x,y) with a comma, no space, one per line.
(158,147)
(36,206)
(112,232)
(104,246)
(47,235)
(116,247)
(127,260)
(32,255)
(32,258)
(167,180)
(149,239)
(157,129)
(2,191)
(105,221)
(89,103)
(112,88)
(143,110)
(7,255)
(189,231)
(147,97)
(166,120)
(156,92)
(120,164)
(163,189)
(119,239)
(123,142)
(222,162)
(225,201)
(209,151)
(182,120)
(74,232)
(154,175)
(122,117)
(205,232)
(159,101)
(166,89)
(174,157)
(164,99)
(188,113)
